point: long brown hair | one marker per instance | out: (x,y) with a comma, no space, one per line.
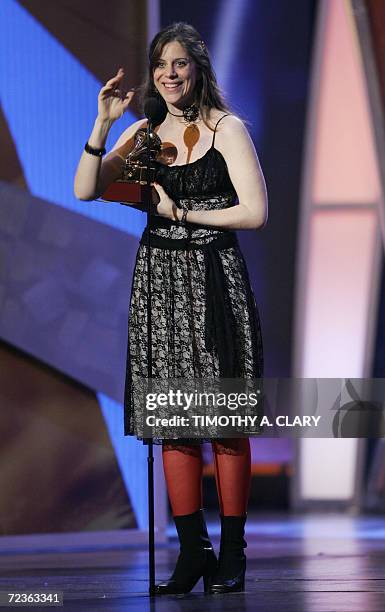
(207,94)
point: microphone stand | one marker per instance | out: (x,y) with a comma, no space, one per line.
(150,456)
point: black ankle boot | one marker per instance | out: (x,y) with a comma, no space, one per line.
(196,557)
(230,576)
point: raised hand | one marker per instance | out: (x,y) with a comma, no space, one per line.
(112,103)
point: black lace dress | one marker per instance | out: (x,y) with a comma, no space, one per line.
(205,320)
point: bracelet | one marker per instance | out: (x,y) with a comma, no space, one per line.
(184,216)
(92,151)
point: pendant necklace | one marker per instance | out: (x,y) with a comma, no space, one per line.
(189,114)
(191,133)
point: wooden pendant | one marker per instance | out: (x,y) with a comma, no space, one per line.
(190,138)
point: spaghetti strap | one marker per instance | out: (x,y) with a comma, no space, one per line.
(215,129)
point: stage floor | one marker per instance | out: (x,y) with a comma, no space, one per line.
(296,563)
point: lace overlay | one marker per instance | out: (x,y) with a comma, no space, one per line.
(182,283)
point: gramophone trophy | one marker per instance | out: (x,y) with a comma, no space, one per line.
(131,187)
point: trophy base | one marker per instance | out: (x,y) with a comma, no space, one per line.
(135,195)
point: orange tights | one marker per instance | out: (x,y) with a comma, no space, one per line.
(183,467)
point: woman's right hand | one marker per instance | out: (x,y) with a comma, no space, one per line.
(111,102)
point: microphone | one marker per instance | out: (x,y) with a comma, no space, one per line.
(155,110)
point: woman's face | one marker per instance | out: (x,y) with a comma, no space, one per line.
(175,75)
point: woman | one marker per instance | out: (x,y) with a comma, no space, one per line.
(205,320)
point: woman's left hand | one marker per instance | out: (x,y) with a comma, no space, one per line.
(166,207)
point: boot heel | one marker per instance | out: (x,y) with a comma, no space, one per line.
(206,582)
(209,573)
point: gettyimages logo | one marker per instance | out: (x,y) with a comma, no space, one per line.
(272,407)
